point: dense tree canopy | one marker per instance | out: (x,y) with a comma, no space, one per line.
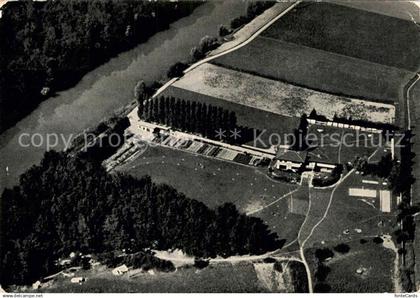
(68,204)
(189,116)
(53,44)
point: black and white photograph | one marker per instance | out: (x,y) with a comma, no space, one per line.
(209,146)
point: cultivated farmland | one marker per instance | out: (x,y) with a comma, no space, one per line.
(277,97)
(317,69)
(351,32)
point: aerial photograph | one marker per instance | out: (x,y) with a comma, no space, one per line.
(209,146)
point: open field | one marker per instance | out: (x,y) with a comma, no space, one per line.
(326,26)
(266,122)
(277,97)
(376,261)
(214,182)
(317,69)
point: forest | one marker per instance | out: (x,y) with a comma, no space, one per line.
(49,46)
(67,204)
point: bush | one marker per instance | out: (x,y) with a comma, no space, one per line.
(322,272)
(322,288)
(269,260)
(378,240)
(207,43)
(332,179)
(196,54)
(147,261)
(299,277)
(238,22)
(342,248)
(278,267)
(200,263)
(223,31)
(323,253)
(177,70)
(258,7)
(109,259)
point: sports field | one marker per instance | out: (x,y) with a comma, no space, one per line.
(317,69)
(351,32)
(277,97)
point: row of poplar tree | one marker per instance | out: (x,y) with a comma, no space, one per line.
(189,116)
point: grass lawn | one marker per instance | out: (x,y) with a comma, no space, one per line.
(214,182)
(278,97)
(377,263)
(317,69)
(351,32)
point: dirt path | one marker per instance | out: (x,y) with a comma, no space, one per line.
(389,244)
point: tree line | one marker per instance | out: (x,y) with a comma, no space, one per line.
(47,46)
(189,116)
(68,204)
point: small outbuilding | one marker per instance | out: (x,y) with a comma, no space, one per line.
(120,270)
(36,285)
(77,280)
